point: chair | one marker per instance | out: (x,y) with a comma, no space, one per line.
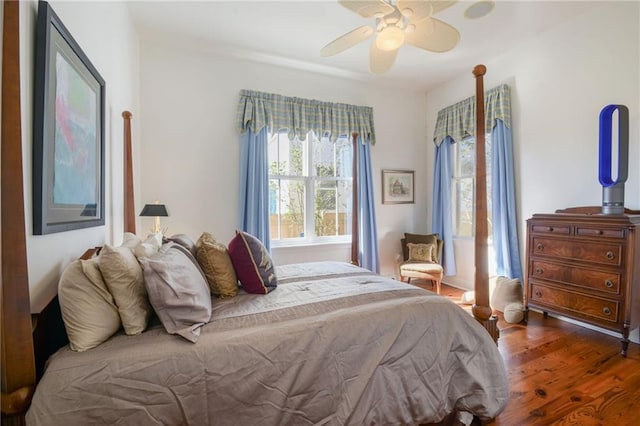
(421,265)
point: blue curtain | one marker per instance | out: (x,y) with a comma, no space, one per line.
(505,234)
(254,185)
(441,219)
(454,123)
(368,236)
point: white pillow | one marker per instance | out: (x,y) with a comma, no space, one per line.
(150,246)
(506,291)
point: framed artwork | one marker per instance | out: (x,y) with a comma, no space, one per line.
(68,132)
(397,187)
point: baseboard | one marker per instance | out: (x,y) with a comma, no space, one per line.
(451,281)
(633,335)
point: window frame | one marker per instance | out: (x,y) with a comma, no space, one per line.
(457,177)
(311,180)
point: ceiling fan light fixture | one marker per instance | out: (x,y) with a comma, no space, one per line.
(479,9)
(390,38)
(407,12)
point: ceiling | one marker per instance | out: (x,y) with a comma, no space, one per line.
(291,33)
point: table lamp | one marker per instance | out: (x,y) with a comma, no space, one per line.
(155,210)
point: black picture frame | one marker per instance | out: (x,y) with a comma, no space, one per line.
(68,132)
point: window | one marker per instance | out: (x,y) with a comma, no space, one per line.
(463,182)
(310,189)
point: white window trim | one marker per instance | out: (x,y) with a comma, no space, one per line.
(310,180)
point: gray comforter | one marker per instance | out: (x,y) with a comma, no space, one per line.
(333,344)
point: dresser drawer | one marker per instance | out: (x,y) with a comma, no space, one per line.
(589,231)
(551,229)
(608,282)
(575,304)
(604,253)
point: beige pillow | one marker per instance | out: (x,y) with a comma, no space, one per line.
(177,290)
(421,252)
(124,279)
(88,310)
(418,239)
(514,312)
(506,291)
(215,262)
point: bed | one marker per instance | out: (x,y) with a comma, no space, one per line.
(334,344)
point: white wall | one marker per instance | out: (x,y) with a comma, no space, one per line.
(105,33)
(560,81)
(190,147)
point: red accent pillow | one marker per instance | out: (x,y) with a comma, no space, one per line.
(252,263)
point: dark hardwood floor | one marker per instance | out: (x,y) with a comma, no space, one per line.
(564,374)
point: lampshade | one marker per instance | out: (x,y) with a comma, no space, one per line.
(154,210)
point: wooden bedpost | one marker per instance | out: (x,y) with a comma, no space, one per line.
(129,205)
(355,249)
(18,364)
(481,309)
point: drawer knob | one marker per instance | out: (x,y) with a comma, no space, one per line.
(606,311)
(608,283)
(610,255)
(549,229)
(540,247)
(539,271)
(538,293)
(599,232)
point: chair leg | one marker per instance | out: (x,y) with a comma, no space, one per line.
(438,286)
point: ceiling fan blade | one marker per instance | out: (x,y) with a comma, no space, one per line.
(381,60)
(439,6)
(417,10)
(433,35)
(346,41)
(368,8)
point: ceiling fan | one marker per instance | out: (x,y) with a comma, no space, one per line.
(396,22)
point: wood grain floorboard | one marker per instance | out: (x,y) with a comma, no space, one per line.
(564,374)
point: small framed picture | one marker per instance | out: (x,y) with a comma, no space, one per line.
(397,187)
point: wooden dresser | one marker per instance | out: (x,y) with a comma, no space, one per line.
(586,266)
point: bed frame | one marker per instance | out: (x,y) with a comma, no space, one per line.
(28,339)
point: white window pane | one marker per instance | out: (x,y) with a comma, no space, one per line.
(332,208)
(466,157)
(286,205)
(463,209)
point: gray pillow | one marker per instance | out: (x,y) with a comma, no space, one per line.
(185,241)
(177,290)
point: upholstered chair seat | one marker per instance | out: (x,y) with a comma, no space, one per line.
(422,254)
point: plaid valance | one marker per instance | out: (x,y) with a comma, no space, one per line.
(459,120)
(298,116)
